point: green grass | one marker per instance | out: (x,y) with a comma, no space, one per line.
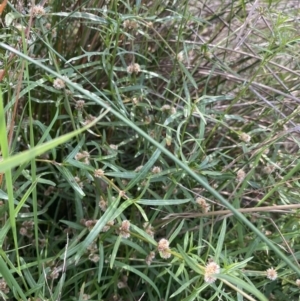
(149,151)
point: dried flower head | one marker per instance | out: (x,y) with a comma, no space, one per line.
(135,100)
(94,257)
(122,194)
(108,226)
(42,242)
(163,245)
(134,68)
(37,11)
(23,231)
(173,110)
(180,56)
(92,248)
(245,137)
(89,119)
(78,181)
(165,107)
(139,168)
(98,173)
(149,229)
(103,204)
(59,83)
(113,146)
(79,105)
(115,297)
(156,169)
(90,223)
(169,108)
(203,204)
(54,273)
(84,156)
(271,274)
(165,254)
(28,224)
(86,297)
(240,175)
(121,284)
(49,190)
(3,286)
(298,282)
(130,24)
(149,24)
(163,248)
(124,229)
(210,270)
(150,258)
(268,169)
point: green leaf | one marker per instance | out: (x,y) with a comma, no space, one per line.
(145,278)
(239,283)
(221,238)
(142,173)
(162,202)
(194,265)
(176,231)
(10,279)
(115,250)
(16,160)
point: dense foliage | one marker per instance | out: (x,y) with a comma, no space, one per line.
(149,150)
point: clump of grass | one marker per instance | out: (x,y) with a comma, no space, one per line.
(123,127)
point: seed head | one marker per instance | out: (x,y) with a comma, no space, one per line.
(165,107)
(37,11)
(3,286)
(89,119)
(130,24)
(271,274)
(23,231)
(86,297)
(134,68)
(210,270)
(268,169)
(78,181)
(156,169)
(54,273)
(163,245)
(59,84)
(103,204)
(79,105)
(149,229)
(94,257)
(138,168)
(98,173)
(203,204)
(124,229)
(245,137)
(113,146)
(85,156)
(163,248)
(150,258)
(180,56)
(90,223)
(240,175)
(108,226)
(122,194)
